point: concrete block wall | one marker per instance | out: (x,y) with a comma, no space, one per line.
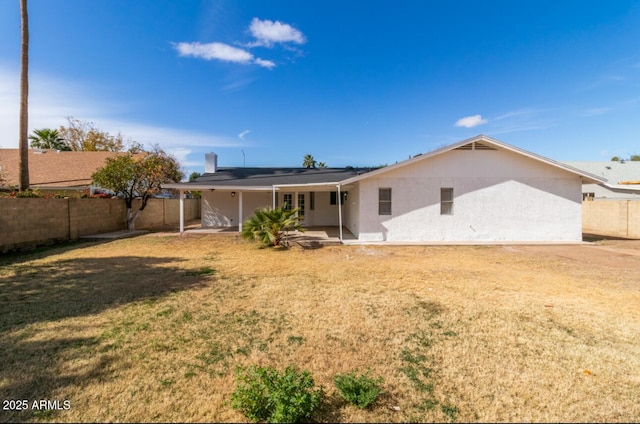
(32,222)
(27,223)
(613,218)
(95,216)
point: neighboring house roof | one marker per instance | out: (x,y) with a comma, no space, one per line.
(52,169)
(623,175)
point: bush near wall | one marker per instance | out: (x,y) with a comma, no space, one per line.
(30,222)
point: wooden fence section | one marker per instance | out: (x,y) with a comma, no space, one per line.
(26,223)
(613,218)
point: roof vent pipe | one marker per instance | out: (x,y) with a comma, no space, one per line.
(210,163)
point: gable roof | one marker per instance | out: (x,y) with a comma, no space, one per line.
(482,142)
(268,178)
(256,178)
(623,175)
(53,169)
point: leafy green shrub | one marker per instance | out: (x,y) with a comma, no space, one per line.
(263,394)
(360,390)
(28,194)
(270,226)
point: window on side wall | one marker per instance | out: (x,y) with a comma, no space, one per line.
(384,201)
(446,201)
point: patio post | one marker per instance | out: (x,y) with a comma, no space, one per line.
(273,204)
(181,211)
(339,212)
(240,212)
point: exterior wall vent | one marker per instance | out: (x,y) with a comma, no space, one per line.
(475,146)
(465,147)
(480,146)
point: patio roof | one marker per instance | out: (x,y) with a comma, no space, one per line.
(268,178)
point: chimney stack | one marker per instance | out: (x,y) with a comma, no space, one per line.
(210,163)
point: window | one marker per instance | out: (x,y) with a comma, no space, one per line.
(301,205)
(588,196)
(287,199)
(333,199)
(446,201)
(384,201)
(312,201)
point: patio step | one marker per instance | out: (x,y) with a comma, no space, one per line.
(315,244)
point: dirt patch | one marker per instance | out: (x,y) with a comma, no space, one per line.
(618,254)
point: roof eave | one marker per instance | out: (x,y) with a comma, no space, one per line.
(190,186)
(623,187)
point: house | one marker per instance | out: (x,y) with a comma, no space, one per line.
(479,189)
(54,170)
(623,179)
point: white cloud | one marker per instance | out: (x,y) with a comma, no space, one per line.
(266,34)
(264,63)
(470,121)
(220,51)
(51,101)
(210,51)
(269,32)
(243,134)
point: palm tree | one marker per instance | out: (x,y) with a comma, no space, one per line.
(47,138)
(322,165)
(270,226)
(309,161)
(23,167)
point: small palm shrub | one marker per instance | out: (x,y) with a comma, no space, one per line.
(269,226)
(359,390)
(263,394)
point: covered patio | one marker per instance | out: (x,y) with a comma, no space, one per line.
(311,237)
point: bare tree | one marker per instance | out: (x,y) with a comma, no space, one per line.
(84,136)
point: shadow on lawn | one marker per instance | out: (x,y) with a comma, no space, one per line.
(37,370)
(75,287)
(36,364)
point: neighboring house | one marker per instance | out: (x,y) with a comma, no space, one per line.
(623,179)
(54,170)
(479,189)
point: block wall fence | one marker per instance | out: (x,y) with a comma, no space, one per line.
(613,218)
(27,223)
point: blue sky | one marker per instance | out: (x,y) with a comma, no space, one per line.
(352,83)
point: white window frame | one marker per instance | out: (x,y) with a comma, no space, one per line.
(446,200)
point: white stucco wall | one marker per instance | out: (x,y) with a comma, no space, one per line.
(325,213)
(219,209)
(498,196)
(352,209)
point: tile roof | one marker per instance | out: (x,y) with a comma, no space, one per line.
(54,169)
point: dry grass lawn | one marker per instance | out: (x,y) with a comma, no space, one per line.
(152,328)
